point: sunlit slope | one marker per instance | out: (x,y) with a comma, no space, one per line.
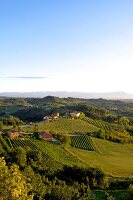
(54,155)
(82,142)
(114,158)
(104,125)
(68,126)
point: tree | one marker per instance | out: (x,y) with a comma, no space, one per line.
(82,115)
(36,128)
(1,125)
(13,185)
(124,121)
(2,151)
(18,188)
(38,187)
(101,178)
(130,192)
(63,192)
(110,198)
(4,175)
(101,134)
(36,155)
(11,121)
(36,134)
(20,156)
(66,140)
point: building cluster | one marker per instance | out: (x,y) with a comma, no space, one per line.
(14,134)
(73,114)
(51,117)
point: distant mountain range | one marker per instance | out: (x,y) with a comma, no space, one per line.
(107,95)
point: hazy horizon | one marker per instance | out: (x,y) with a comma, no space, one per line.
(73,45)
(65,94)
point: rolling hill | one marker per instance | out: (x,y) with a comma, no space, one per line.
(113,158)
(68,126)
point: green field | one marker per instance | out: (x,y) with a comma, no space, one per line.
(114,158)
(67,126)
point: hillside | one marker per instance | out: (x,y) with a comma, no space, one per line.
(67,126)
(115,159)
(54,155)
(99,114)
(29,108)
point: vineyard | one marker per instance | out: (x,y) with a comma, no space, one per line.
(57,153)
(47,160)
(54,156)
(67,126)
(82,142)
(104,125)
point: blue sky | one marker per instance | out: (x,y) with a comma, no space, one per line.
(72,45)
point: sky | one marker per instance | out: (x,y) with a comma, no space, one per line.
(66,45)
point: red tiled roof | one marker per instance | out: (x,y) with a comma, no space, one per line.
(46,135)
(13,131)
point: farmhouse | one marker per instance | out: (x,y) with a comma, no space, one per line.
(75,114)
(55,115)
(46,136)
(51,117)
(47,118)
(13,134)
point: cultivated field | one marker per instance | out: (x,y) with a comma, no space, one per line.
(82,142)
(104,125)
(114,158)
(68,126)
(53,154)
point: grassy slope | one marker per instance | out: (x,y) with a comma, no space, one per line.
(115,159)
(67,126)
